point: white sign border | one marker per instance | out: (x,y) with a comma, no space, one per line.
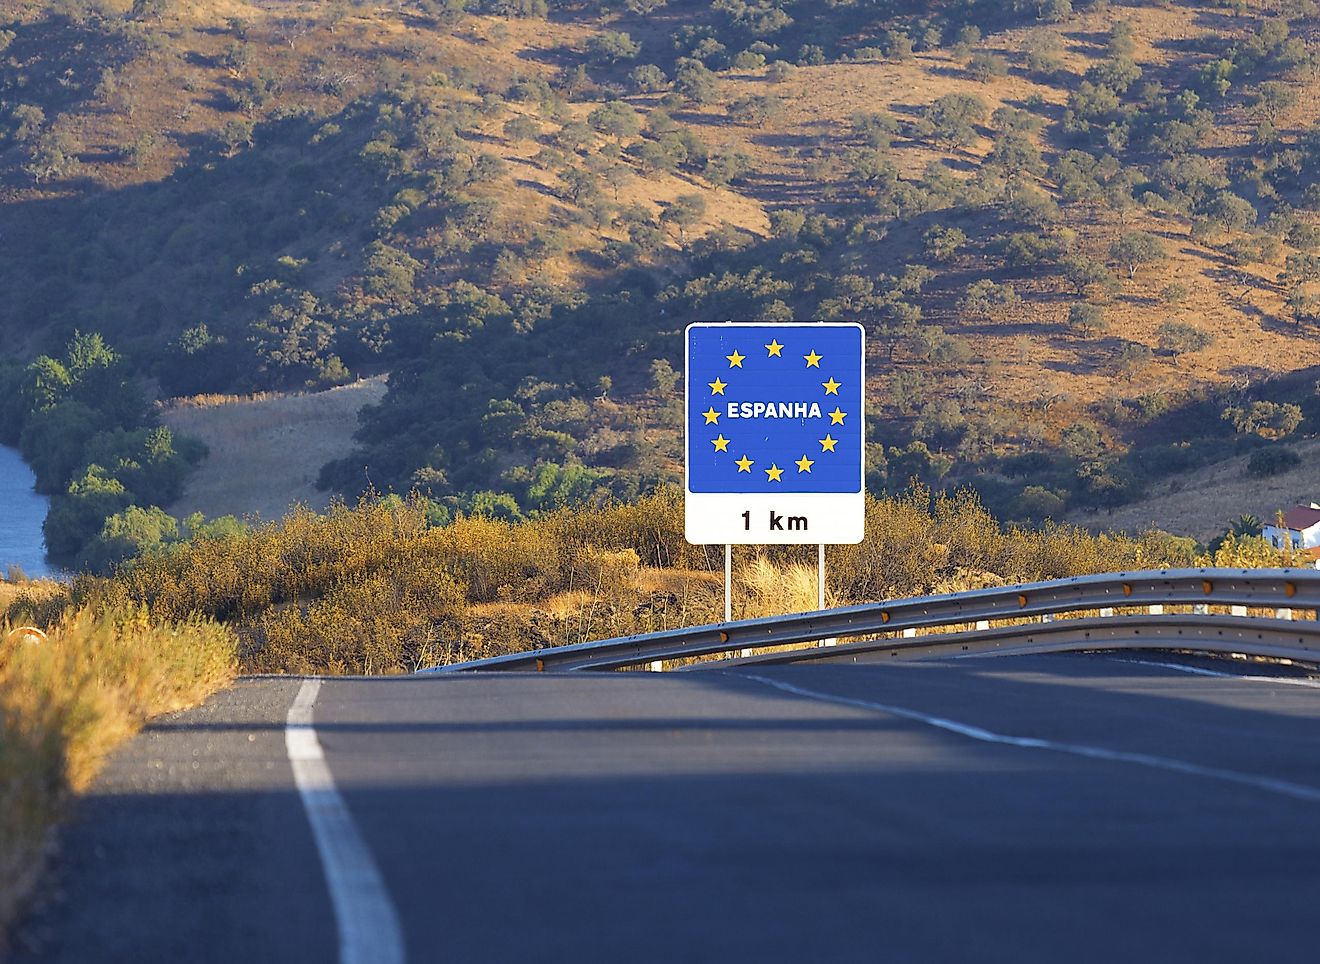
(716,518)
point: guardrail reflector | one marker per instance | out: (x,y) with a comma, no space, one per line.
(1207,586)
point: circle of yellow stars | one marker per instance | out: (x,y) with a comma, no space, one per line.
(804,464)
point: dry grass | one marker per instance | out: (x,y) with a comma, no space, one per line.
(1202,503)
(266,450)
(66,704)
(29,593)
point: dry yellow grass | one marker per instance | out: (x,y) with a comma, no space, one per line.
(65,704)
(266,450)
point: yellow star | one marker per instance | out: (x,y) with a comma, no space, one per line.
(831,387)
(813,360)
(774,472)
(744,464)
(804,464)
(774,348)
(735,360)
(827,443)
(712,416)
(837,417)
(721,444)
(717,387)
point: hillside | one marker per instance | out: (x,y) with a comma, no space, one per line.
(1073,230)
(1205,502)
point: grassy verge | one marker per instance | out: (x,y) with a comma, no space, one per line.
(381,589)
(65,704)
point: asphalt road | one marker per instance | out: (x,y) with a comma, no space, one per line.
(1076,808)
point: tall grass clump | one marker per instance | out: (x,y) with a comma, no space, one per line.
(66,703)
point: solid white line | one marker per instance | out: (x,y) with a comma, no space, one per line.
(1296,790)
(1201,671)
(369,931)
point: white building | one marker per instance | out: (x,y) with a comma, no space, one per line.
(1301,528)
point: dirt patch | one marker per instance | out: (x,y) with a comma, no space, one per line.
(266,451)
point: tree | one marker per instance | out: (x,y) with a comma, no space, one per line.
(1121,42)
(581,185)
(1270,420)
(943,243)
(684,212)
(1230,212)
(1179,338)
(1085,274)
(149,10)
(648,78)
(1272,461)
(756,109)
(696,82)
(985,67)
(615,118)
(1087,317)
(611,46)
(26,122)
(1135,249)
(1044,49)
(1132,359)
(52,156)
(953,118)
(1274,97)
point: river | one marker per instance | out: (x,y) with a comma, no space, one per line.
(21,513)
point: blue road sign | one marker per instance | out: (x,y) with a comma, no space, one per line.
(773,410)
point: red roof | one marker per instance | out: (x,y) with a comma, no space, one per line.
(1301,517)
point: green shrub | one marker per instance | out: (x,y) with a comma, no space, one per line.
(1272,460)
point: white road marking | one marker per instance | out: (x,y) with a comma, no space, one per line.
(369,931)
(1201,671)
(1283,787)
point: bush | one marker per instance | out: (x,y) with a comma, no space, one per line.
(1272,460)
(1087,317)
(985,67)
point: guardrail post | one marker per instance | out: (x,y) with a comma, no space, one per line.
(1047,618)
(1106,611)
(1283,614)
(657,666)
(1239,610)
(909,633)
(1200,609)
(982,624)
(1156,609)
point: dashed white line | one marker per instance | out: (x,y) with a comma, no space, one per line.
(368,924)
(1202,671)
(1283,787)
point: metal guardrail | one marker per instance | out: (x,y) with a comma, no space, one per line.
(1279,590)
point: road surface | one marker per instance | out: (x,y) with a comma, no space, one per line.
(1080,808)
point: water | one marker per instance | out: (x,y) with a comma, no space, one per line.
(21,513)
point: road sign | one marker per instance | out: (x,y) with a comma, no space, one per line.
(774,433)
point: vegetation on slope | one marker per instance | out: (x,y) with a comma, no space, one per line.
(1073,230)
(392,586)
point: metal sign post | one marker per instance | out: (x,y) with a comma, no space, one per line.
(728,583)
(774,449)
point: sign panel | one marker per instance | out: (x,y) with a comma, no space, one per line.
(774,433)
